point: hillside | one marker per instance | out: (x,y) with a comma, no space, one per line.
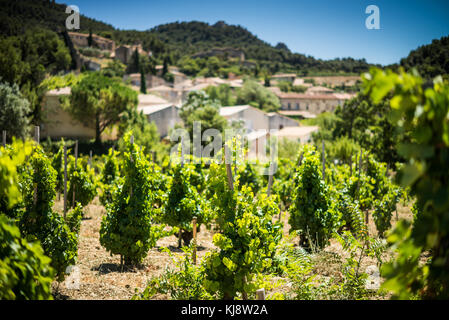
(430,60)
(17,16)
(192,37)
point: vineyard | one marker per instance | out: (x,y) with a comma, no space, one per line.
(126,226)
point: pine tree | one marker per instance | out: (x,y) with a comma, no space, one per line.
(90,39)
(143,83)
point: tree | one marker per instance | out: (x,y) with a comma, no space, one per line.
(90,39)
(256,95)
(14,111)
(135,64)
(199,107)
(143,82)
(100,101)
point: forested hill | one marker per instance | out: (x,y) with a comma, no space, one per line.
(430,60)
(16,16)
(193,37)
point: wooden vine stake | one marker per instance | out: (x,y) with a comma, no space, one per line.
(76,166)
(228,167)
(231,187)
(350,165)
(260,294)
(36,134)
(65,180)
(300,158)
(324,162)
(4,139)
(131,158)
(90,159)
(194,239)
(182,166)
(270,178)
(36,138)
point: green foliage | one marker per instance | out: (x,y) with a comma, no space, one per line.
(430,60)
(222,93)
(199,107)
(248,237)
(113,69)
(128,228)
(422,113)
(14,111)
(287,86)
(311,212)
(39,221)
(256,95)
(109,176)
(25,272)
(58,164)
(248,177)
(145,133)
(82,181)
(74,218)
(184,282)
(184,202)
(187,38)
(99,101)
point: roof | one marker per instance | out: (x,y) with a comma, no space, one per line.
(228,111)
(283,75)
(161,88)
(150,99)
(59,92)
(295,132)
(154,108)
(304,114)
(308,96)
(319,89)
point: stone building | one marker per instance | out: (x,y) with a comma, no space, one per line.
(58,123)
(81,40)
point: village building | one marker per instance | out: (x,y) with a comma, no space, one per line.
(302,134)
(81,40)
(164,114)
(290,77)
(314,103)
(59,123)
(125,52)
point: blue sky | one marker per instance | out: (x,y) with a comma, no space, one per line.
(324,29)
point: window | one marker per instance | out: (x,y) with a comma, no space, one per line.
(297,106)
(289,106)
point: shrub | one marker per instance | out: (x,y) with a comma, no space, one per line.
(128,228)
(39,221)
(184,202)
(310,212)
(82,181)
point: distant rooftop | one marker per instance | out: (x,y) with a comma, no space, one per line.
(59,92)
(154,108)
(228,111)
(150,99)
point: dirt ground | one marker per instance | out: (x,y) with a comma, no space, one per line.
(100,277)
